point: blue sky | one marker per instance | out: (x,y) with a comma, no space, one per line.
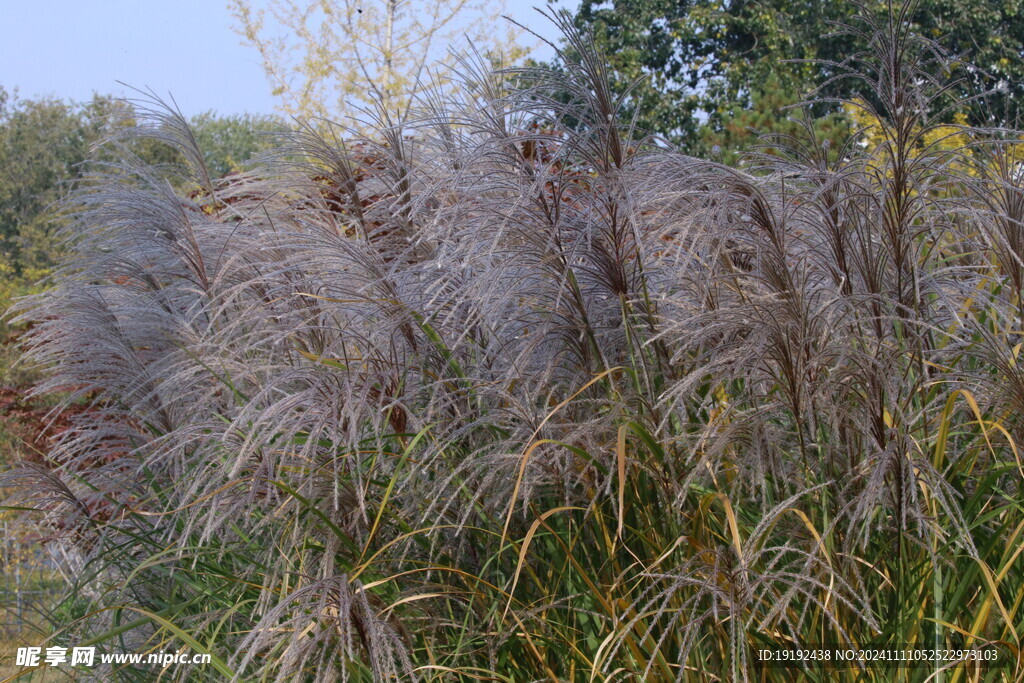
(72,48)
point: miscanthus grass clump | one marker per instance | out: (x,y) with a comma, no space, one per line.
(509,391)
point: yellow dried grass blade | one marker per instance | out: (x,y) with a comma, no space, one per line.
(526,455)
(526,546)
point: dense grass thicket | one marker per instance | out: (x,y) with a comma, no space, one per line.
(509,392)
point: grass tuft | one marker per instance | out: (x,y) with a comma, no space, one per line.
(511,392)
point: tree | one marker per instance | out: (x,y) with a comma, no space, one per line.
(769,116)
(698,62)
(228,142)
(42,146)
(335,59)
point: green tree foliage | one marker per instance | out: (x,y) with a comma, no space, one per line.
(228,142)
(42,146)
(771,111)
(697,63)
